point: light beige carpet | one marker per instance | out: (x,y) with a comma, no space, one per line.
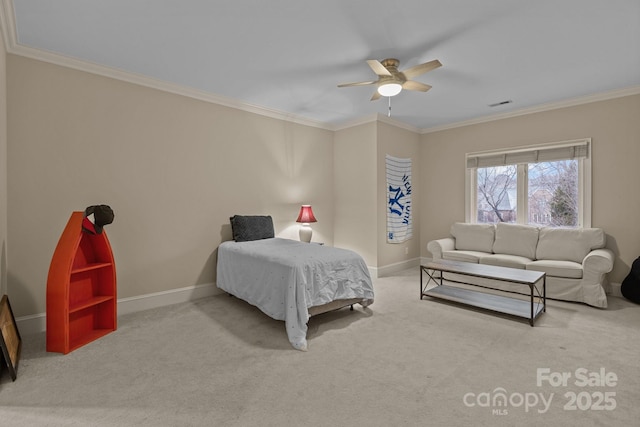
(403,362)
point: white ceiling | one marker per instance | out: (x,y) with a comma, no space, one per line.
(290,55)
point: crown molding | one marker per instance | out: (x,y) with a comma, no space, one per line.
(602,96)
(369,118)
(9,33)
(8,24)
(7,20)
(141,80)
(393,122)
(376,117)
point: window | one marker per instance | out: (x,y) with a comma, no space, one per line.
(545,185)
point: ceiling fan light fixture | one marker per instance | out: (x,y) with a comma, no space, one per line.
(389,89)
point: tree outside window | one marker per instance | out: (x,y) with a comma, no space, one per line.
(553,193)
(497,201)
(551,188)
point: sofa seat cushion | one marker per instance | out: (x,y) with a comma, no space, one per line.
(569,244)
(516,239)
(503,260)
(567,269)
(464,256)
(473,237)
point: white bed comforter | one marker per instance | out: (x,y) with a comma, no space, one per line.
(283,278)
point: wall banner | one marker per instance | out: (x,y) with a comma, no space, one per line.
(399,216)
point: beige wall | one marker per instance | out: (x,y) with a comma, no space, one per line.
(360,190)
(3,168)
(397,142)
(355,190)
(172,168)
(613,125)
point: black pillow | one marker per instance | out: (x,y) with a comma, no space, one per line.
(251,227)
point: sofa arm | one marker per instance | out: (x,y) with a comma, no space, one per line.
(595,283)
(436,247)
(598,261)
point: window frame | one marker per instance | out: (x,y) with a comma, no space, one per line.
(522,209)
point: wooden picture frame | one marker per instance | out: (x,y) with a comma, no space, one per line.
(10,340)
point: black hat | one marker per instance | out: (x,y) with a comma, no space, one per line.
(95,217)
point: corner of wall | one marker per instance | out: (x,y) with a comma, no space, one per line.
(3,165)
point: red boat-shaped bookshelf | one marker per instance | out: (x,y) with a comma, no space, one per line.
(81,289)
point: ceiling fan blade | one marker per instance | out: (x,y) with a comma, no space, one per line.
(356,84)
(421,69)
(376,96)
(413,85)
(378,68)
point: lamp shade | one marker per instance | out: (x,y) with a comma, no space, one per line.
(306,214)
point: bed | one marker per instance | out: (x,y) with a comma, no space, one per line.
(287,279)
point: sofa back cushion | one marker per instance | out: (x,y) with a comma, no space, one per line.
(570,244)
(473,237)
(516,239)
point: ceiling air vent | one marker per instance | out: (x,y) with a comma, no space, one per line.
(497,104)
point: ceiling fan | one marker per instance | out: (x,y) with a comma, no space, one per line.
(391,81)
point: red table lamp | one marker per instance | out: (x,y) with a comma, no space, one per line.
(305,217)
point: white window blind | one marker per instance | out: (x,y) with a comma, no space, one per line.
(535,154)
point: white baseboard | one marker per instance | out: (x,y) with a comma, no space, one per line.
(160,299)
(615,289)
(36,323)
(31,324)
(373,271)
(390,269)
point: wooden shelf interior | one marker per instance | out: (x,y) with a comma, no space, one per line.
(89,285)
(92,249)
(90,323)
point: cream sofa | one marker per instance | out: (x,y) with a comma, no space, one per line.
(575,260)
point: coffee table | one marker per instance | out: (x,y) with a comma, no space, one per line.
(529,309)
